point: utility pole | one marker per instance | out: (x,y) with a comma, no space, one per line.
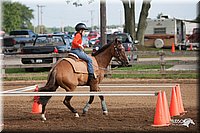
(120,21)
(103,22)
(38,18)
(40,27)
(91,12)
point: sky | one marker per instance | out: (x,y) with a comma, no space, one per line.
(57,13)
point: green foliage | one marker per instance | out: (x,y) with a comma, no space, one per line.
(25,78)
(69,29)
(16,16)
(137,67)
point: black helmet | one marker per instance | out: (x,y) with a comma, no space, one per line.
(80,26)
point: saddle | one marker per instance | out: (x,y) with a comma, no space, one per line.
(79,65)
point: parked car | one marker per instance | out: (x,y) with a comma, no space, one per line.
(85,42)
(93,41)
(2,33)
(128,43)
(45,44)
(93,35)
(67,38)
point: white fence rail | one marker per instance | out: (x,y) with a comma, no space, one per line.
(105,93)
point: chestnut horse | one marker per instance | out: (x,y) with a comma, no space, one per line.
(63,75)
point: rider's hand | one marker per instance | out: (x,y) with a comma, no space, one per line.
(81,46)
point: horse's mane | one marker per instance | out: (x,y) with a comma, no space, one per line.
(101,49)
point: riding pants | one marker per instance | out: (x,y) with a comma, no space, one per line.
(82,55)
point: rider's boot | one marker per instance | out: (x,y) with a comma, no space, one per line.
(91,79)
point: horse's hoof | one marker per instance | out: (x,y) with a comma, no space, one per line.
(84,114)
(105,112)
(76,115)
(43,118)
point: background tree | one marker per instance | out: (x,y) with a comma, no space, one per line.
(16,16)
(198,12)
(129,13)
(142,21)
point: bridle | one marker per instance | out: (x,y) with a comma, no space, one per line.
(117,52)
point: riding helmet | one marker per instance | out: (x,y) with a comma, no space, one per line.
(81,26)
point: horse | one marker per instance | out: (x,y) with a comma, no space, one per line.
(62,74)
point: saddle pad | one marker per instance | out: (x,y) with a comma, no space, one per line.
(80,66)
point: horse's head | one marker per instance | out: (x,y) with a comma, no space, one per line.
(119,52)
(187,122)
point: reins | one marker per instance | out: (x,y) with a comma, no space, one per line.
(102,68)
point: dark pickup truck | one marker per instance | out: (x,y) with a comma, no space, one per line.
(23,36)
(8,45)
(17,39)
(45,44)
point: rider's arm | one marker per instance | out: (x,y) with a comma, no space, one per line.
(77,41)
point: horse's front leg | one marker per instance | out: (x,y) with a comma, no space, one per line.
(93,87)
(87,106)
(103,105)
(67,103)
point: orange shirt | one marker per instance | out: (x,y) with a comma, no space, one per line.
(77,41)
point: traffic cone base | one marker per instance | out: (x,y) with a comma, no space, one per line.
(160,125)
(183,113)
(37,108)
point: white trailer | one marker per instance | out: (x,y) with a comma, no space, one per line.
(164,32)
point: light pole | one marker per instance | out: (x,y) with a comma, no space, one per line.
(91,12)
(103,21)
(40,27)
(120,21)
(38,18)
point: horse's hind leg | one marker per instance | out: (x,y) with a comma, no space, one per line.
(67,103)
(44,99)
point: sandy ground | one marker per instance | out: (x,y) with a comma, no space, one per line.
(126,113)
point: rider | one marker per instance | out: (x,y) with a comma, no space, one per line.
(77,48)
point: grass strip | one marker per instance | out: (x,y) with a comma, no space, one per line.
(138,67)
(156,76)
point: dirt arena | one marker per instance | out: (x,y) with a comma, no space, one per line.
(126,113)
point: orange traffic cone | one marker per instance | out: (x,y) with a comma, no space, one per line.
(166,108)
(173,48)
(159,118)
(174,111)
(36,108)
(191,47)
(179,100)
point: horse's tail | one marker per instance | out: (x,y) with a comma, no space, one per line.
(50,81)
(49,87)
